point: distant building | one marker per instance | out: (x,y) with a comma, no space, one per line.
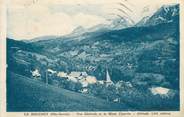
(84,74)
(122,83)
(36,74)
(88,80)
(91,79)
(78,74)
(75,74)
(62,75)
(73,79)
(81,77)
(84,83)
(51,71)
(101,82)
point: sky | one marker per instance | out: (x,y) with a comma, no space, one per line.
(28,19)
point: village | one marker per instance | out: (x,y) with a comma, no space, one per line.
(86,80)
(77,77)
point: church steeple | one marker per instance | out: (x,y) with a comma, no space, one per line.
(108,78)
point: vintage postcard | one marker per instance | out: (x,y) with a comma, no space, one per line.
(91,58)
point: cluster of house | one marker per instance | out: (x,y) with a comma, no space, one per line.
(85,80)
(81,77)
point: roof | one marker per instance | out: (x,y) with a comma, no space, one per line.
(72,79)
(62,74)
(36,73)
(84,84)
(78,74)
(84,74)
(51,71)
(91,79)
(75,74)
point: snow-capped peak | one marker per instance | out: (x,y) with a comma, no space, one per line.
(165,14)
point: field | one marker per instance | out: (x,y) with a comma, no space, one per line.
(25,94)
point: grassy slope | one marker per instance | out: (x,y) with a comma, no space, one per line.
(29,95)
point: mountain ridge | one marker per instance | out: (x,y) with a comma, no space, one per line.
(165,14)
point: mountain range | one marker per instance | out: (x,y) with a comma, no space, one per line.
(150,47)
(145,54)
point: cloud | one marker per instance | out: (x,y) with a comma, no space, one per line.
(88,21)
(36,20)
(32,18)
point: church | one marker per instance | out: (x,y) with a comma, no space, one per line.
(108,81)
